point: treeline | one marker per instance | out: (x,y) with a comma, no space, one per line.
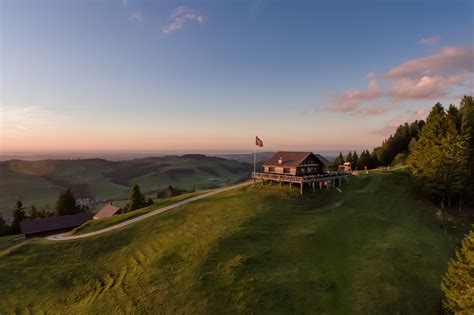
(394,150)
(442,160)
(65,205)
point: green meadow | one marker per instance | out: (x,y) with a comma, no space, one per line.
(39,183)
(375,248)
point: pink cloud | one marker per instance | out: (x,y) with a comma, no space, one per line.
(430,40)
(450,60)
(429,78)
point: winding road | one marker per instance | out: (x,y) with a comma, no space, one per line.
(62,237)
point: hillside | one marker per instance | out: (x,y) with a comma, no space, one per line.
(375,248)
(40,182)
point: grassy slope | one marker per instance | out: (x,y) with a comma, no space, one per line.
(259,248)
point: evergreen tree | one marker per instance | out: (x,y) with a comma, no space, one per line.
(136,200)
(4,228)
(374,161)
(426,160)
(66,204)
(364,159)
(169,192)
(339,160)
(34,213)
(466,112)
(458,282)
(355,159)
(349,157)
(18,216)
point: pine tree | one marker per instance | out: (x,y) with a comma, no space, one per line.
(466,112)
(136,199)
(34,213)
(4,228)
(458,282)
(18,216)
(355,159)
(349,157)
(427,159)
(66,204)
(339,160)
(364,159)
(168,192)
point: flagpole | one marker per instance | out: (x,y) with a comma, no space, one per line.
(254,157)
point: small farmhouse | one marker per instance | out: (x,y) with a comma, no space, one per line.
(49,226)
(302,168)
(107,211)
(296,163)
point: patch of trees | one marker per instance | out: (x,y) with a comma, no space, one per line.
(137,200)
(365,159)
(458,282)
(65,205)
(442,160)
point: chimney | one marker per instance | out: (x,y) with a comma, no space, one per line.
(280,161)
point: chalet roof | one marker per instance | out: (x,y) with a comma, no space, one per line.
(107,211)
(55,223)
(323,159)
(293,159)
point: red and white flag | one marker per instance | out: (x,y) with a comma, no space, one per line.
(258,142)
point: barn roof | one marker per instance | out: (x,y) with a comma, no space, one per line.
(293,159)
(107,211)
(55,223)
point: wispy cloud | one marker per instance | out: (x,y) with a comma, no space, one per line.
(23,120)
(430,40)
(428,78)
(124,3)
(136,17)
(180,17)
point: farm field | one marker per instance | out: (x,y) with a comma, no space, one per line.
(374,248)
(41,182)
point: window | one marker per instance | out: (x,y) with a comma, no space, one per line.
(271,169)
(286,170)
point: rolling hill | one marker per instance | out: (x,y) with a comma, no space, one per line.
(40,182)
(374,248)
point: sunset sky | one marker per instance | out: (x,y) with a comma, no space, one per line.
(210,75)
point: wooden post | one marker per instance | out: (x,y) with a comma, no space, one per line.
(313,188)
(290,185)
(327,185)
(320,185)
(301,189)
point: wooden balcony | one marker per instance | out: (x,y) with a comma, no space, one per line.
(300,179)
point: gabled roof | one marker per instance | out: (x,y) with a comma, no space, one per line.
(293,159)
(323,159)
(290,159)
(107,211)
(55,223)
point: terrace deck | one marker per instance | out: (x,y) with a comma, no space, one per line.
(327,179)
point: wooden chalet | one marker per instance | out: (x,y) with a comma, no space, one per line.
(299,168)
(54,225)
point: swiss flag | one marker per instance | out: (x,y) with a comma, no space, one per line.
(258,142)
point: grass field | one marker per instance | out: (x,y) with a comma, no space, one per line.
(374,249)
(41,182)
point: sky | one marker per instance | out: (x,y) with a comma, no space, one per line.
(211,75)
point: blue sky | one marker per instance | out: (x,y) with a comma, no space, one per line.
(164,75)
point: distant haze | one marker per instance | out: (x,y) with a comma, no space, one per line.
(126,155)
